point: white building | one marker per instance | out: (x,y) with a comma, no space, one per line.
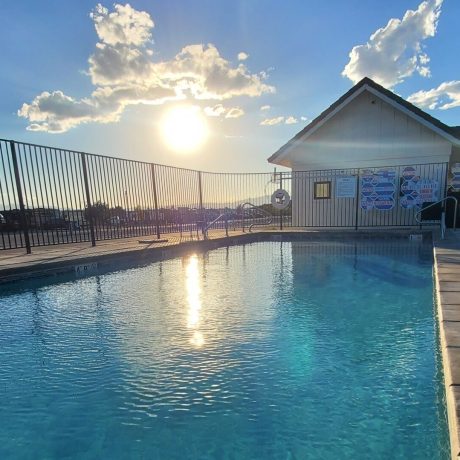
(370,159)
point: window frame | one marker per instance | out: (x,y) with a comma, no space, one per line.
(329,190)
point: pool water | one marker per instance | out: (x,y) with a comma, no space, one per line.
(287,351)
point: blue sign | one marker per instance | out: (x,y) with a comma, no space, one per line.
(407,187)
(384,204)
(378,189)
(386,173)
(385,189)
(455,181)
(367,190)
(367,203)
(408,202)
(409,172)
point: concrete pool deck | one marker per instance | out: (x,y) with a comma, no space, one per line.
(447,279)
(16,265)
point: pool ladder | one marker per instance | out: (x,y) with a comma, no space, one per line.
(246,207)
(442,221)
(245,210)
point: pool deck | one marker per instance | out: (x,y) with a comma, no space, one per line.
(447,279)
(16,265)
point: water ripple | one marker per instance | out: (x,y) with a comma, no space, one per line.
(266,351)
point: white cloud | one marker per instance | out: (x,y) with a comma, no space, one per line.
(304,118)
(200,71)
(288,120)
(56,112)
(395,51)
(125,26)
(219,110)
(234,112)
(124,73)
(272,121)
(291,120)
(215,111)
(242,56)
(265,107)
(445,96)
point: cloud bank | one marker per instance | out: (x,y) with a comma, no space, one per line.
(219,110)
(289,120)
(395,52)
(445,96)
(124,73)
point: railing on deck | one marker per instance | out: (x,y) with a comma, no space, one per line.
(442,214)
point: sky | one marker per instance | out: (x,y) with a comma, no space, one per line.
(104,77)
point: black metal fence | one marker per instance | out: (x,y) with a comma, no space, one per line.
(52,196)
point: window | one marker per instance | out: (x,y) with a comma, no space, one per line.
(322,190)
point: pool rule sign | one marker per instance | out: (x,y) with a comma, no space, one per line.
(415,190)
(455,180)
(377,189)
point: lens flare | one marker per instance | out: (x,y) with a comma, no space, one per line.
(184,129)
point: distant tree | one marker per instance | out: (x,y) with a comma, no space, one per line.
(118,211)
(99,211)
(139,212)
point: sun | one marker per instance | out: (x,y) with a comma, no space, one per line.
(184,128)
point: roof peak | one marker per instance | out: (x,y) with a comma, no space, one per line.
(452,131)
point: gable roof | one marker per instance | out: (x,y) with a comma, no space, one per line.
(451,133)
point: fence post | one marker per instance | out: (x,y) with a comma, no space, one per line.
(281,211)
(88,199)
(24,224)
(155,200)
(357,201)
(200,191)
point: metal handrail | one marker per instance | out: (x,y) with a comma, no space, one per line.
(442,220)
(261,210)
(205,229)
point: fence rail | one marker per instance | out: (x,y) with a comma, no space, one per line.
(52,196)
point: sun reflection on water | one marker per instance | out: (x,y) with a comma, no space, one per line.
(193,288)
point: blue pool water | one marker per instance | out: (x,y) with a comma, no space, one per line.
(266,351)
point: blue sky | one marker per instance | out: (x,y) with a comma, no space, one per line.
(294,56)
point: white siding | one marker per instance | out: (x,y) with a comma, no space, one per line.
(346,212)
(368,132)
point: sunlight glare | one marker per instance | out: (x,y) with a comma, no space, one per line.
(194,301)
(184,128)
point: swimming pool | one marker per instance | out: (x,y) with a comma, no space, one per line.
(275,350)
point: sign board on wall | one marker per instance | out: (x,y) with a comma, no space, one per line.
(378,189)
(415,191)
(345,187)
(455,181)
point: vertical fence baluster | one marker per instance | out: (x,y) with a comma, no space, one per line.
(200,195)
(24,224)
(281,211)
(357,200)
(88,198)
(155,199)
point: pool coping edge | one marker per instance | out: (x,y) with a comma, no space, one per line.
(51,267)
(450,352)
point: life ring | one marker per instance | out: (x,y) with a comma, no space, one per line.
(280,199)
